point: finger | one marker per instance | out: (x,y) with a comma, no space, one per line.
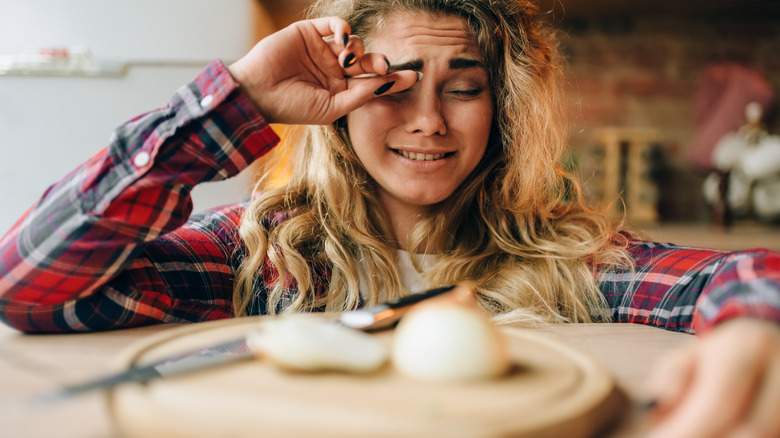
(332,27)
(361,90)
(354,59)
(351,43)
(370,63)
(763,419)
(711,406)
(352,53)
(323,35)
(670,379)
(723,384)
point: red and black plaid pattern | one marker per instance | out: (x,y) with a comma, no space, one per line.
(693,289)
(88,255)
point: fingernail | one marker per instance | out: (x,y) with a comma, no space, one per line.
(383,89)
(349,60)
(388,66)
(345,39)
(419,76)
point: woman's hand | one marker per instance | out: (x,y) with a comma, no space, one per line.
(725,385)
(299,75)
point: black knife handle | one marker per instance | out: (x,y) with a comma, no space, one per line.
(416,298)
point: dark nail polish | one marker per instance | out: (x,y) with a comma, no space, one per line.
(345,39)
(388,66)
(383,89)
(349,60)
(419,76)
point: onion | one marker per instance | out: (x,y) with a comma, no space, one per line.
(309,343)
(446,341)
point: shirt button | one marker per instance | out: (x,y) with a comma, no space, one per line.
(206,101)
(142,159)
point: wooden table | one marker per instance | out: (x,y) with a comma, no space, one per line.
(34,364)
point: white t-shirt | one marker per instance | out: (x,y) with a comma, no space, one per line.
(410,278)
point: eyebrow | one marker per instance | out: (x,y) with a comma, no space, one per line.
(455,64)
(463,63)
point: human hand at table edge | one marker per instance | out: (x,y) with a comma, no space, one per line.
(299,75)
(725,385)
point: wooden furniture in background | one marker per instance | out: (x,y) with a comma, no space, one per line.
(626,166)
(284,12)
(744,235)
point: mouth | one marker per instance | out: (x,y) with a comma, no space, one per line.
(423,157)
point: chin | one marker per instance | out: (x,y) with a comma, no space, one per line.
(427,201)
(419,197)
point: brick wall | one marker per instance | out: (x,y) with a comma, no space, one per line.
(642,71)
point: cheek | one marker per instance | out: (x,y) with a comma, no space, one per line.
(483,125)
(476,123)
(479,130)
(486,121)
(369,122)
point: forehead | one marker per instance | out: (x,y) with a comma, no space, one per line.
(403,34)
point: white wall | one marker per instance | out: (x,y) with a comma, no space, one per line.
(49,125)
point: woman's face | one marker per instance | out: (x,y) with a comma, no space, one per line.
(421,144)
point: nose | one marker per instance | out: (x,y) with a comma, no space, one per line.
(424,114)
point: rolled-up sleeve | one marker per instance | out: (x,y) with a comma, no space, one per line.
(70,255)
(693,289)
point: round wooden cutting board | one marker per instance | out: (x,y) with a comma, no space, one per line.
(552,391)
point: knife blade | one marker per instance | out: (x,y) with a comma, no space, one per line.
(234,350)
(377,317)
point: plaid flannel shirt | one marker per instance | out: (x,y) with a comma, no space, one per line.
(113,245)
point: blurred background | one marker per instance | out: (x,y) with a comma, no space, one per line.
(672,105)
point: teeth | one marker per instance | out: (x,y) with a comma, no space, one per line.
(420,157)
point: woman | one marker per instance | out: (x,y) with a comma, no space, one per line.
(432,156)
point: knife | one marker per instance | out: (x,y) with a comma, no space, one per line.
(234,350)
(385,315)
(377,317)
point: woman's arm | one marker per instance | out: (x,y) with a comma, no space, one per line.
(94,253)
(727,384)
(693,289)
(80,258)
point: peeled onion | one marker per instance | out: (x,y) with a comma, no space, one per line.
(307,343)
(445,341)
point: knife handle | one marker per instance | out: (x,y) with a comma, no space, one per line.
(416,298)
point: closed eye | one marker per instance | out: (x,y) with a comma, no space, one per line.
(467,92)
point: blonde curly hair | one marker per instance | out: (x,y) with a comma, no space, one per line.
(518,227)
